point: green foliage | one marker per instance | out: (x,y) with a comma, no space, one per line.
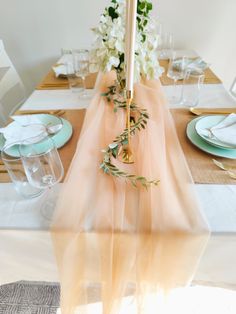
(112,150)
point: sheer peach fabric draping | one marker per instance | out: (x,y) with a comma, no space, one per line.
(113,240)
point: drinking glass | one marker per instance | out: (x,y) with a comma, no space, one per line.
(75,83)
(17,174)
(81,64)
(166,45)
(192,85)
(43,168)
(176,71)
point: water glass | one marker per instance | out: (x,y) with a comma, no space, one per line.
(176,71)
(75,82)
(17,174)
(81,67)
(166,45)
(192,85)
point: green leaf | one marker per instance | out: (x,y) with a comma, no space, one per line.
(115,152)
(142,6)
(133,183)
(102,166)
(124,142)
(112,145)
(112,13)
(149,6)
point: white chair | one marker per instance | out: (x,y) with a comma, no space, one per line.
(12,92)
(233,88)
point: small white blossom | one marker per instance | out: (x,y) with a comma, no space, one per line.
(108,49)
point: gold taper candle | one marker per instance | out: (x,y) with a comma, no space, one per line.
(127,27)
(131,13)
(130,43)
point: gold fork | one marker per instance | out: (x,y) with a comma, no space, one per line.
(226,168)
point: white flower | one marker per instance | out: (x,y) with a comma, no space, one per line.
(108,48)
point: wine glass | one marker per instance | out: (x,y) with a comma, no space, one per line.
(176,71)
(81,64)
(17,173)
(43,168)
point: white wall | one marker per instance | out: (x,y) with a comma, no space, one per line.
(35,31)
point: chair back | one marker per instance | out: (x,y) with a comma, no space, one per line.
(233,88)
(12,92)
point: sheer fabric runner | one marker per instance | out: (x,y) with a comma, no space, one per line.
(113,240)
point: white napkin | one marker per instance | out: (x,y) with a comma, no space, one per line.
(60,68)
(24,127)
(197,64)
(225,131)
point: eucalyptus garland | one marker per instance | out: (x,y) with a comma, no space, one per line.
(113,149)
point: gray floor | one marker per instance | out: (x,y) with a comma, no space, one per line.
(27,297)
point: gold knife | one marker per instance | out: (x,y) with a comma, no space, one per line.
(56,112)
(199,111)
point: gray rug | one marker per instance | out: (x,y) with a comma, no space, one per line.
(28,297)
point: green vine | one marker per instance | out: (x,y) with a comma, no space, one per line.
(113,149)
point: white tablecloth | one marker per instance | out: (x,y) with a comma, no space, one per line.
(28,255)
(213,95)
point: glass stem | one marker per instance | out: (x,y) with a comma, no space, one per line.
(174,87)
(83,81)
(48,204)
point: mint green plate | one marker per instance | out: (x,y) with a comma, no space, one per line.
(196,140)
(60,138)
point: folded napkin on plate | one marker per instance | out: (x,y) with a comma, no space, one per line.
(24,127)
(190,64)
(224,131)
(197,64)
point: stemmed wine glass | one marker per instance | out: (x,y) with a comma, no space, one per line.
(81,64)
(176,71)
(43,168)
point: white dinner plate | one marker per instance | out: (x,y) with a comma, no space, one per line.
(204,146)
(208,122)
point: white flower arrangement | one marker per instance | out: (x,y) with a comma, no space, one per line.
(109,46)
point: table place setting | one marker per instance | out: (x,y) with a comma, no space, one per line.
(34,130)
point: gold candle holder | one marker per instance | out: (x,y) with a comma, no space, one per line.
(126,153)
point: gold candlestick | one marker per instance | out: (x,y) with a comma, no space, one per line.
(127,155)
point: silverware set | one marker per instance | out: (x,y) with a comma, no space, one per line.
(230,170)
(200,111)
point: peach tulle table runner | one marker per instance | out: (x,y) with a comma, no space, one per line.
(114,240)
(51,82)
